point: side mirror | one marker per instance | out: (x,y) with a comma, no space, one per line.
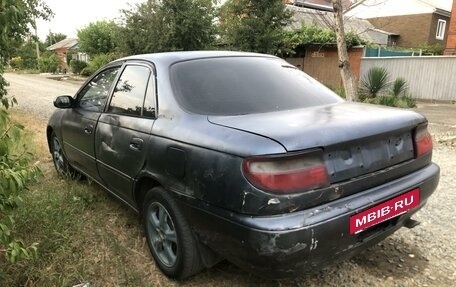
(63,102)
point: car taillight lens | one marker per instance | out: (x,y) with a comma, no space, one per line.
(288,174)
(423,141)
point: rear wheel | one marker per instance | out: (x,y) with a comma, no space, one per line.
(170,238)
(61,164)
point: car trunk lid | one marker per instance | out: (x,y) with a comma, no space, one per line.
(356,138)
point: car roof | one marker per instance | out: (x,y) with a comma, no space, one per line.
(168,58)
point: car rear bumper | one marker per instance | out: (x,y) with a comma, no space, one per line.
(298,242)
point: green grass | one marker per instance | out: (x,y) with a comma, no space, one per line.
(85,235)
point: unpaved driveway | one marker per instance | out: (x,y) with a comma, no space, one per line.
(423,256)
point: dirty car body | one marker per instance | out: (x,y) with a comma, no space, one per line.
(243,157)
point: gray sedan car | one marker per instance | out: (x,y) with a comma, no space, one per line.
(241,156)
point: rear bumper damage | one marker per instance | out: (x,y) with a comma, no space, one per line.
(291,244)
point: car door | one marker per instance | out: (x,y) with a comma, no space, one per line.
(124,129)
(79,123)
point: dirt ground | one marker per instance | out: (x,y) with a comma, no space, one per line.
(422,256)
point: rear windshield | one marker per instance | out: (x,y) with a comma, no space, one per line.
(245,85)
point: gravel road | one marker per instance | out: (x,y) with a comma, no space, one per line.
(36,93)
(423,256)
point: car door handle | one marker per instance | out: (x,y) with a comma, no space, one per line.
(136,144)
(88,129)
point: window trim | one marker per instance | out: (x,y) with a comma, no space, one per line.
(78,96)
(151,80)
(440,32)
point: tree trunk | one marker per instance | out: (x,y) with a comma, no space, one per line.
(344,64)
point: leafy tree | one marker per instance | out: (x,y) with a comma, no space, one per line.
(143,31)
(189,23)
(312,34)
(53,38)
(27,53)
(168,25)
(253,25)
(16,18)
(98,38)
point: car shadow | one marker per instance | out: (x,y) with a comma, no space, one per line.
(392,258)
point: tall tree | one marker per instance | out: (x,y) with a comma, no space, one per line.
(17,20)
(143,31)
(190,23)
(168,25)
(53,38)
(253,25)
(344,64)
(98,38)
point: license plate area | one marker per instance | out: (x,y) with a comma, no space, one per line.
(384,211)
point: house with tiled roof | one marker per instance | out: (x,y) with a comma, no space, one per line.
(323,5)
(62,48)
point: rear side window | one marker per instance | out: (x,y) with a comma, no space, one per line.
(245,85)
(129,93)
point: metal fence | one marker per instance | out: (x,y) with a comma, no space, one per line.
(430,78)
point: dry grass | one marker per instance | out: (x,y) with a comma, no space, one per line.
(85,235)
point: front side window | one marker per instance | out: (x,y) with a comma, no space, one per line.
(93,96)
(129,93)
(440,33)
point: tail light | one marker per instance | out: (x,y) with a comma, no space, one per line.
(287,174)
(423,141)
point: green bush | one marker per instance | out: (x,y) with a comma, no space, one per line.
(389,101)
(399,87)
(48,63)
(16,171)
(87,71)
(97,62)
(436,49)
(77,66)
(374,82)
(404,102)
(16,63)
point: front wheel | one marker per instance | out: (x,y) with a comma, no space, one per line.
(61,164)
(169,236)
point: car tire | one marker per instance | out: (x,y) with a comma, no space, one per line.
(61,164)
(171,241)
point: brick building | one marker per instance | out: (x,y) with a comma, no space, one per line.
(450,48)
(62,48)
(416,22)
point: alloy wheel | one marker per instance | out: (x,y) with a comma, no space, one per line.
(162,234)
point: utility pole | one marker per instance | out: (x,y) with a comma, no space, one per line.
(344,63)
(37,45)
